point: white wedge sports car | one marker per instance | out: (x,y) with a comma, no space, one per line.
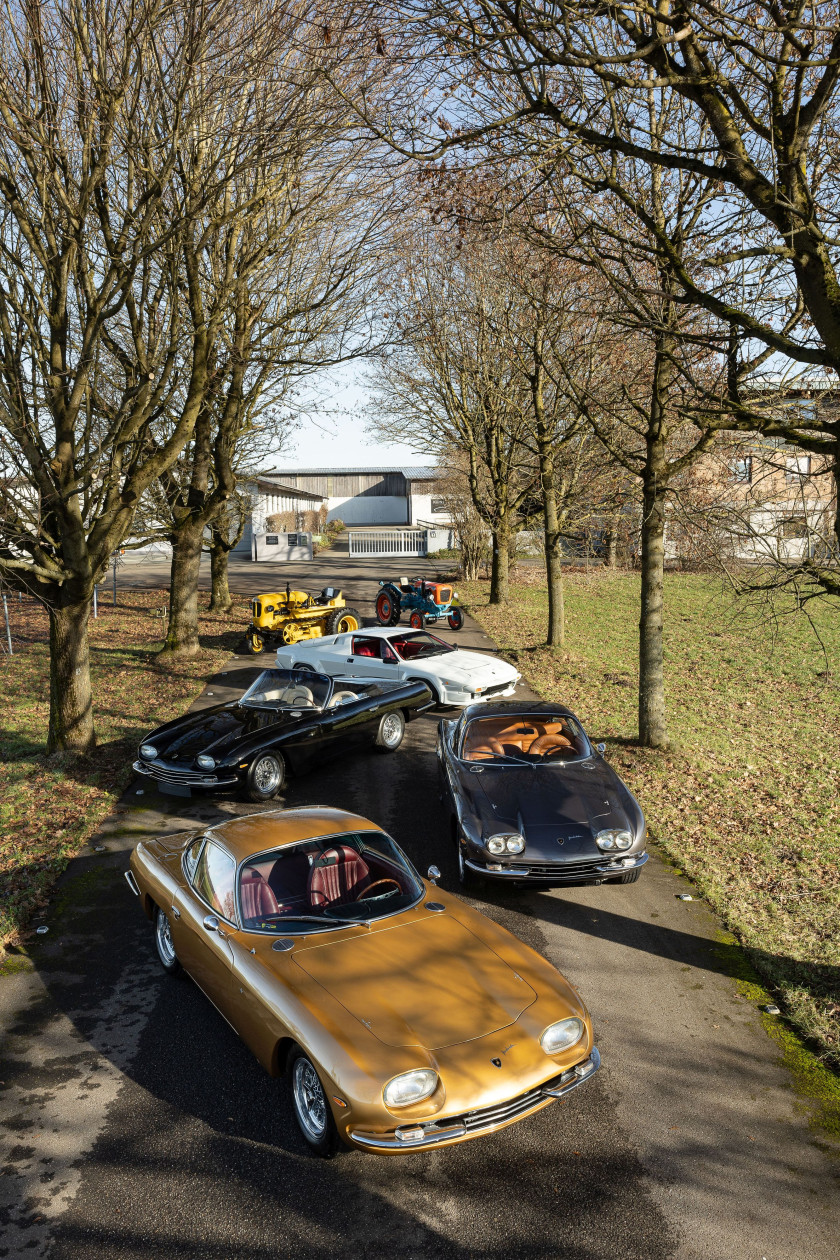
(455,676)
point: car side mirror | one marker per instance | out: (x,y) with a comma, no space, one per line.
(433,874)
(211,923)
(602,748)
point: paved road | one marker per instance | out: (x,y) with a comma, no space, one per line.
(133,1124)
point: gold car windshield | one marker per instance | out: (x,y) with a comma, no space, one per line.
(287,689)
(530,738)
(325,883)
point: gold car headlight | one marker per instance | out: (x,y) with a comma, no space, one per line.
(410,1087)
(562,1035)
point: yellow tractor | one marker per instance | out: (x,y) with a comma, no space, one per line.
(296,615)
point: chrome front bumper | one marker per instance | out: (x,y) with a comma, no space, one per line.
(412,1137)
(547,871)
(188,778)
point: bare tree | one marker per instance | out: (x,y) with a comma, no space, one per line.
(101,109)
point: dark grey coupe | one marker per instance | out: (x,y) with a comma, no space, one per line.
(287,721)
(533,801)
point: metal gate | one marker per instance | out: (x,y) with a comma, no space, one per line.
(388,542)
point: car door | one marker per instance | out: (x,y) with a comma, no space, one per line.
(371,657)
(206,899)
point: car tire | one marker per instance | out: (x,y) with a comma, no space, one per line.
(455,618)
(390,732)
(468,881)
(254,643)
(629,877)
(344,620)
(305,667)
(417,621)
(310,1106)
(164,945)
(265,777)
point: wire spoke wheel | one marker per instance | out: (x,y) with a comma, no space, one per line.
(267,774)
(392,730)
(309,1100)
(164,944)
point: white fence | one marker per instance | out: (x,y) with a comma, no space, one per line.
(388,542)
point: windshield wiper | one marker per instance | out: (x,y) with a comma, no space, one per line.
(314,918)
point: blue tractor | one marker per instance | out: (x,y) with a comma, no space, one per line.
(424,602)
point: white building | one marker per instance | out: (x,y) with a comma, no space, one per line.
(366,496)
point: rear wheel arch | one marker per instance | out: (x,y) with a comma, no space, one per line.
(280,1056)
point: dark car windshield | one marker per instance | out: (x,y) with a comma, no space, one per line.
(417,643)
(287,689)
(319,884)
(532,738)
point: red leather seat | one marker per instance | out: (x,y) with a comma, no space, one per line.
(256,895)
(338,875)
(364,649)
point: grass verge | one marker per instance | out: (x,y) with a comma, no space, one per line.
(746,801)
(50,806)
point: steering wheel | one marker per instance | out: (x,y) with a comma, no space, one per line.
(363,895)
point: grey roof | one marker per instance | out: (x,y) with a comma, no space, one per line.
(267,479)
(421,473)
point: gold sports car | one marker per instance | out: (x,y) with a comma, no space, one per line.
(402,1018)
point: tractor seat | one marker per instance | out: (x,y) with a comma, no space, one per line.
(327,594)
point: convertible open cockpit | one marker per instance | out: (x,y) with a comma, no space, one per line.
(534,739)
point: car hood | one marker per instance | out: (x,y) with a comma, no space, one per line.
(430,982)
(214,730)
(472,667)
(549,803)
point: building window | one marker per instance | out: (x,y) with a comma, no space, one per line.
(742,469)
(797,466)
(438,506)
(793,527)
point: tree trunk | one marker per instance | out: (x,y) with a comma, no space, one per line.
(182,631)
(220,600)
(71,708)
(612,540)
(653,731)
(500,571)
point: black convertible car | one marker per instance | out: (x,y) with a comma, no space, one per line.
(533,802)
(286,721)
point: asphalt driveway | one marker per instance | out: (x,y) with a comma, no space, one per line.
(134,1124)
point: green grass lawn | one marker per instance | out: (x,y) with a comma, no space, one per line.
(746,802)
(50,806)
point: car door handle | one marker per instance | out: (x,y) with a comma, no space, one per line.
(175,911)
(349,660)
(309,734)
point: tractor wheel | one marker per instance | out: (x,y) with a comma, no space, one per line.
(254,642)
(416,621)
(387,609)
(455,618)
(342,620)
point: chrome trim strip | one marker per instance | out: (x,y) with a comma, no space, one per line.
(132,882)
(567,872)
(445,1132)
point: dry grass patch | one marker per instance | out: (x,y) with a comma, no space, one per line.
(50,806)
(746,802)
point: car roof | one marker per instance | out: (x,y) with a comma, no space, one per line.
(510,708)
(255,833)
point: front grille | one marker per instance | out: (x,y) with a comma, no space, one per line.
(502,1112)
(591,869)
(495,689)
(172,774)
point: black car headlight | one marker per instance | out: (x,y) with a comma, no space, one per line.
(148,751)
(612,840)
(504,842)
(205,762)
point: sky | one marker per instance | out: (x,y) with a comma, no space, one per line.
(333,435)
